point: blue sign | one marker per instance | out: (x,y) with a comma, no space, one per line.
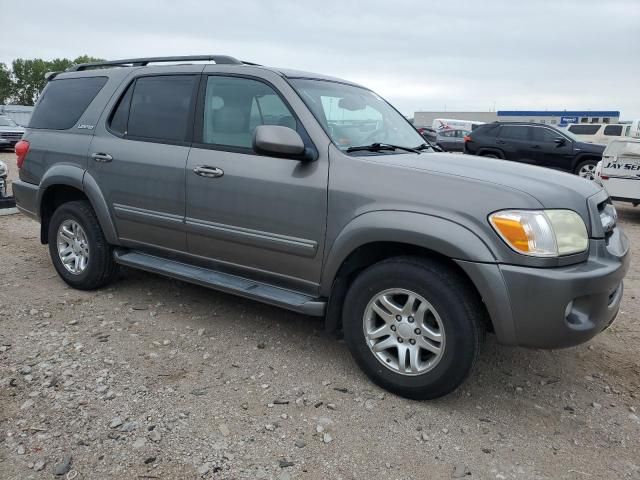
(565,120)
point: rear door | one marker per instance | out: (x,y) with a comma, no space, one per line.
(138,160)
(514,141)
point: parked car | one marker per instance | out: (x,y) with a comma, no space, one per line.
(247,180)
(451,140)
(619,170)
(601,133)
(535,144)
(428,133)
(10,132)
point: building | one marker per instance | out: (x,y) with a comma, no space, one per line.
(20,114)
(559,118)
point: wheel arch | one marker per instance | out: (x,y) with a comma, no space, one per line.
(65,183)
(377,236)
(583,157)
(496,151)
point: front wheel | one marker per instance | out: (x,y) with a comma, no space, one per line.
(414,326)
(587,169)
(78,248)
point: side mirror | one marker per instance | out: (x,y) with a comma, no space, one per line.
(560,141)
(278,141)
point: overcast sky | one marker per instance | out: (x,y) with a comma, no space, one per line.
(428,55)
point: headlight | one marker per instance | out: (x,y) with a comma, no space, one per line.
(3,168)
(541,233)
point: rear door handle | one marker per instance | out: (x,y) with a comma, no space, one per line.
(101,157)
(500,142)
(209,172)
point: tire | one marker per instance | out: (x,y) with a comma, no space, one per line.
(100,269)
(490,155)
(459,313)
(587,169)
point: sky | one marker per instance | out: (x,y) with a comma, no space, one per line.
(455,55)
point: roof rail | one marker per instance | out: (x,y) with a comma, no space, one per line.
(141,62)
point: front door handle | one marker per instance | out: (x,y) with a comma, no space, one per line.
(209,172)
(101,157)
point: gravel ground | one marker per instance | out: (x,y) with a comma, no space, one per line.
(154,378)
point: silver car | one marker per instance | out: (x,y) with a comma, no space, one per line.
(10,132)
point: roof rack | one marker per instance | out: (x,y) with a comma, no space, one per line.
(141,62)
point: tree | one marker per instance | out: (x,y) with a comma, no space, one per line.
(6,84)
(28,76)
(28,80)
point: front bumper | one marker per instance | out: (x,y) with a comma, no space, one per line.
(555,307)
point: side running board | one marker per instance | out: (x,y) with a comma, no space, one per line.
(224,282)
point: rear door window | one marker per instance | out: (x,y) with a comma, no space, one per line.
(514,132)
(160,107)
(63,102)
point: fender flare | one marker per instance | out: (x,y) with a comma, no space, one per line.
(438,234)
(78,178)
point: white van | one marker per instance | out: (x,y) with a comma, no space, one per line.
(440,124)
(619,170)
(599,132)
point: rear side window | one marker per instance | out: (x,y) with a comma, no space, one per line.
(584,129)
(514,132)
(488,130)
(63,102)
(159,108)
(613,130)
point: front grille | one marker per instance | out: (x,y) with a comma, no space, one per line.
(11,135)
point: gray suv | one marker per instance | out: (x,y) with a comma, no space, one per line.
(313,194)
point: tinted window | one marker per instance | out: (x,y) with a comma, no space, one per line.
(120,116)
(488,130)
(63,102)
(613,130)
(544,135)
(514,132)
(584,129)
(160,107)
(234,107)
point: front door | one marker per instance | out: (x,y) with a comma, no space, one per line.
(139,160)
(255,215)
(549,148)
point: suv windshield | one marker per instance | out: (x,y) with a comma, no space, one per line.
(7,122)
(356,117)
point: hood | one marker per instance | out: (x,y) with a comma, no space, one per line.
(551,188)
(589,147)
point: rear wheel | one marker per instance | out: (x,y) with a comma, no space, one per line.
(587,169)
(78,248)
(414,326)
(490,155)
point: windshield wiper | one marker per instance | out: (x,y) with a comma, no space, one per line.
(377,147)
(430,145)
